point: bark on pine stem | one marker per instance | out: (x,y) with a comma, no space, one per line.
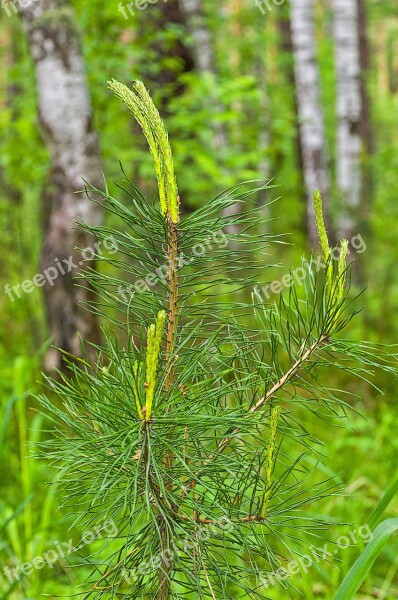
(164,592)
(173,298)
(66,123)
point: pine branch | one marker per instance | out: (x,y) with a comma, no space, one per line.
(205,521)
(286,378)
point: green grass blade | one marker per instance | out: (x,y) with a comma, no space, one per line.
(361,568)
(389,494)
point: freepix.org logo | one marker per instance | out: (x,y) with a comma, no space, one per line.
(128,9)
(265,6)
(12,7)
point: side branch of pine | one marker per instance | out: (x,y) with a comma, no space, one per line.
(286,377)
(282,381)
(290,373)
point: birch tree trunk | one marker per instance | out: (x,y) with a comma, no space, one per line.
(349,109)
(312,128)
(66,124)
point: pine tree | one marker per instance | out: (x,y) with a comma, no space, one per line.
(188,435)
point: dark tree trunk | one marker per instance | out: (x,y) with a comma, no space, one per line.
(65,120)
(203,54)
(153,22)
(286,44)
(365,125)
(364,54)
(202,48)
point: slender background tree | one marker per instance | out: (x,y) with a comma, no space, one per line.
(311,118)
(349,114)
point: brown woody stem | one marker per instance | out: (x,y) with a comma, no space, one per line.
(164,592)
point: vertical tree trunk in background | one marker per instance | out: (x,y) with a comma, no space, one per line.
(382,57)
(365,121)
(152,25)
(312,128)
(286,46)
(264,137)
(261,72)
(65,119)
(364,61)
(205,62)
(349,111)
(203,53)
(235,9)
(202,41)
(167,56)
(392,55)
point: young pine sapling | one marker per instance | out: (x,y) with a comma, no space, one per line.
(190,434)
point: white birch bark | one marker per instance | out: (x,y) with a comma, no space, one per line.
(349,110)
(65,120)
(311,125)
